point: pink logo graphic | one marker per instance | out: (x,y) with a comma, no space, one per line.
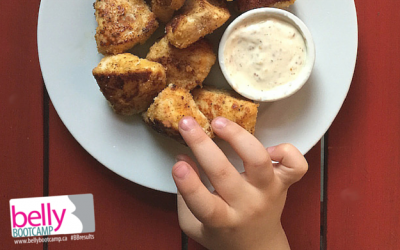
(68,214)
(39,217)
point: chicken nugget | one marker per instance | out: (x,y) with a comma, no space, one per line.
(245,5)
(197,19)
(186,68)
(129,83)
(164,9)
(122,24)
(214,102)
(169,107)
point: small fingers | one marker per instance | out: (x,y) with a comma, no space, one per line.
(256,160)
(186,158)
(291,166)
(187,221)
(223,176)
(205,206)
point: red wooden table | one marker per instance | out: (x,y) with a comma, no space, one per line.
(361,163)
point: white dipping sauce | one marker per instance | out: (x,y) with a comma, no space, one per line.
(264,53)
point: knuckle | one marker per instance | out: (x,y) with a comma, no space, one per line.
(209,214)
(255,210)
(303,168)
(213,219)
(255,205)
(260,161)
(288,148)
(222,173)
(197,137)
(299,172)
(218,216)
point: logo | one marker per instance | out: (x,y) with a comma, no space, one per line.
(40,216)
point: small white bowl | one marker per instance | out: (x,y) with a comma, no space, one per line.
(286,89)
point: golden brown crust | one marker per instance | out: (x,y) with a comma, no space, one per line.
(122,24)
(164,9)
(197,18)
(186,68)
(129,83)
(214,102)
(245,5)
(169,107)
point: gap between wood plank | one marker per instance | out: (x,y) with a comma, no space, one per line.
(46,100)
(45,141)
(324,181)
(184,240)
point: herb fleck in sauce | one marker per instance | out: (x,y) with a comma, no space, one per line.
(264,53)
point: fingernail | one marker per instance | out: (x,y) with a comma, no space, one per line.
(220,122)
(187,123)
(181,171)
(180,157)
(271,149)
(177,158)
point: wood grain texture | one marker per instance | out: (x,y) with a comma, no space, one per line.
(301,215)
(21,117)
(364,141)
(127,216)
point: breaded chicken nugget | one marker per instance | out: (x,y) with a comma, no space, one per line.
(169,107)
(214,102)
(245,5)
(129,83)
(186,68)
(197,19)
(122,24)
(164,9)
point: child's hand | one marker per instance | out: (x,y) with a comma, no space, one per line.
(245,210)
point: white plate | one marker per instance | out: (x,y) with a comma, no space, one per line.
(67,52)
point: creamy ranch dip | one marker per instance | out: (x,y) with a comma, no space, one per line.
(264,53)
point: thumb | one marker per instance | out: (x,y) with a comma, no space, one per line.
(290,164)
